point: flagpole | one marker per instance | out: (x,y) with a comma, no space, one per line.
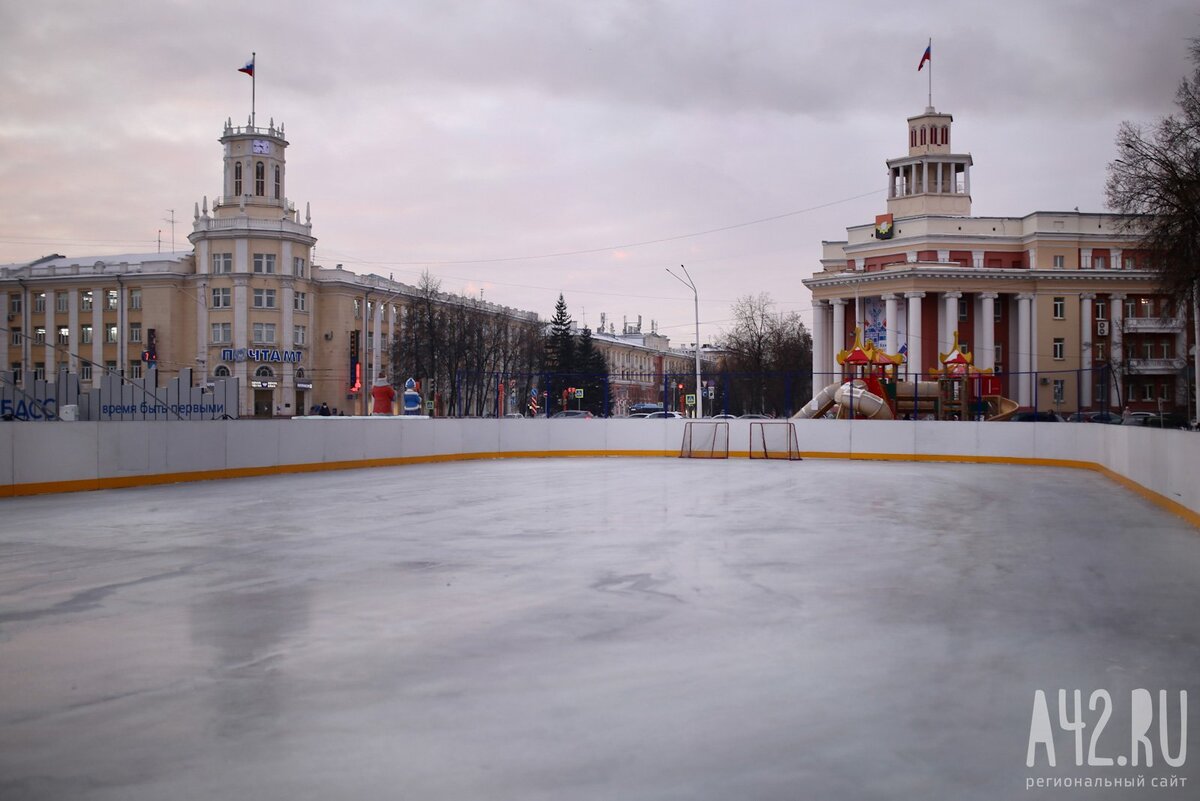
(930,50)
(253,80)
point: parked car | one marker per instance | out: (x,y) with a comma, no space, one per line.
(756,417)
(1165,420)
(577,414)
(662,415)
(1095,417)
(724,417)
(639,414)
(1037,417)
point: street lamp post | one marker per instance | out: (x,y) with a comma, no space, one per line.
(690,284)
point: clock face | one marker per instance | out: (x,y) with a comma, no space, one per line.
(261,146)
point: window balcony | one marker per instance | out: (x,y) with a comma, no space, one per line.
(1134,325)
(1156,366)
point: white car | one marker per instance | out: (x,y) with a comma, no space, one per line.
(662,415)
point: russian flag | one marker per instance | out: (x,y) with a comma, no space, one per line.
(249,68)
(926,57)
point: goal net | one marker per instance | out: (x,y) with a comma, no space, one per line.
(774,440)
(705,440)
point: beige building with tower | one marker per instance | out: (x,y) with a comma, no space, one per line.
(246,302)
(1062,304)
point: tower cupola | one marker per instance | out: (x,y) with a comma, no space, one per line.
(931,179)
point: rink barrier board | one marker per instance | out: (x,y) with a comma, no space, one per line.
(68,457)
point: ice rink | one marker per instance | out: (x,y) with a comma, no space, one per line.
(567,629)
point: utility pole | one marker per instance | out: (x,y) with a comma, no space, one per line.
(171,220)
(690,284)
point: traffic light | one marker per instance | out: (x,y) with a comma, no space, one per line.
(355,366)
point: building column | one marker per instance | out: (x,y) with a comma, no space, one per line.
(985,354)
(1024,350)
(1116,356)
(925,177)
(820,345)
(938,190)
(97,335)
(202,333)
(837,342)
(891,320)
(241,338)
(914,333)
(1085,349)
(966,179)
(950,321)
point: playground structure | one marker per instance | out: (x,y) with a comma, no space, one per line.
(873,387)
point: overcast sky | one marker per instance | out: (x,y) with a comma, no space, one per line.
(481,140)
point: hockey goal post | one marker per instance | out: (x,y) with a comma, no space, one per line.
(705,439)
(774,440)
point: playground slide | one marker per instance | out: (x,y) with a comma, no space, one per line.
(1005,407)
(853,395)
(821,403)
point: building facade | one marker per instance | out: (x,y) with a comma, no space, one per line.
(1062,304)
(246,302)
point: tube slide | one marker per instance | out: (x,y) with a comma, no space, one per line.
(853,395)
(1005,407)
(820,404)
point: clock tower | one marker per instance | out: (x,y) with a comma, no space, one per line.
(252,282)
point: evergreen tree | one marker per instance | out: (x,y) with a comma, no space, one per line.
(560,344)
(593,378)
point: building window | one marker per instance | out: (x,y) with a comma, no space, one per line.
(1059,262)
(1100,352)
(85,371)
(222,332)
(997,309)
(39,302)
(1060,390)
(110,333)
(64,335)
(264,263)
(962,309)
(1130,308)
(222,298)
(14,304)
(999,357)
(298,267)
(945,134)
(110,367)
(39,371)
(221,371)
(264,333)
(237,178)
(1165,348)
(61,301)
(14,337)
(39,335)
(264,298)
(922,134)
(278,182)
(1060,308)
(135,298)
(135,332)
(1129,263)
(299,336)
(85,300)
(260,179)
(85,334)
(1100,263)
(300,301)
(111,299)
(1101,310)
(1147,392)
(1060,348)
(264,372)
(222,263)
(135,369)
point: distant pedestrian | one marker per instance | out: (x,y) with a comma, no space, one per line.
(382,395)
(324,410)
(1126,415)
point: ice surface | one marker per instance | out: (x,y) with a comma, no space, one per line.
(581,629)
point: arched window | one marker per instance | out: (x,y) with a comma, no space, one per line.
(933,135)
(299,372)
(264,372)
(912,137)
(237,179)
(221,371)
(260,179)
(922,134)
(945,134)
(278,181)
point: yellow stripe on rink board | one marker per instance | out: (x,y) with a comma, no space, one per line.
(125,482)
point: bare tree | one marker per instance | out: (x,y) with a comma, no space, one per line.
(1155,180)
(770,356)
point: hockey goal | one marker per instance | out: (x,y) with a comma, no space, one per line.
(705,440)
(774,440)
